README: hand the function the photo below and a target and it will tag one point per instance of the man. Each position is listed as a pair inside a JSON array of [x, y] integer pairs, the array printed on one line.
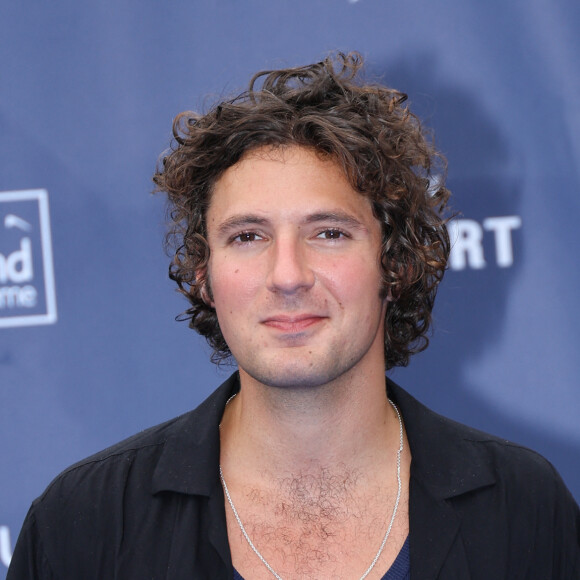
[[308, 221]]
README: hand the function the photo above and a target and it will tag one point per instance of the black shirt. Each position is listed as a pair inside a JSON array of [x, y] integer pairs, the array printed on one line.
[[152, 507], [399, 570]]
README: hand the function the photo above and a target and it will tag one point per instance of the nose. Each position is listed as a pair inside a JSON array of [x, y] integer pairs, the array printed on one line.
[[289, 270]]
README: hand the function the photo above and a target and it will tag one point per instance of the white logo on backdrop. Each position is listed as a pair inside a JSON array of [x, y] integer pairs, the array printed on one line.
[[5, 546], [467, 241], [27, 292]]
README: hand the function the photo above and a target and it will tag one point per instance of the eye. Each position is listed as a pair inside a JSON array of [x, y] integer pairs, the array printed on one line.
[[331, 234], [246, 237]]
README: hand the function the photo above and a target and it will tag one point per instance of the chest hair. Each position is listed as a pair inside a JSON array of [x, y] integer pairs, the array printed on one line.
[[311, 524]]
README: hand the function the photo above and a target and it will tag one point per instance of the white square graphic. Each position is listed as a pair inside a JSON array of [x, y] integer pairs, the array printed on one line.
[[27, 289]]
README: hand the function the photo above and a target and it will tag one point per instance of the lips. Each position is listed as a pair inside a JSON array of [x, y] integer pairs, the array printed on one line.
[[292, 324]]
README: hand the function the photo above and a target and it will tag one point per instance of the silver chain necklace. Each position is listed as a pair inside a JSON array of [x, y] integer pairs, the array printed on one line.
[[376, 558]]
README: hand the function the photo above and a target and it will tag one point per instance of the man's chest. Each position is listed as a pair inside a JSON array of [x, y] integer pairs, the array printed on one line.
[[322, 537]]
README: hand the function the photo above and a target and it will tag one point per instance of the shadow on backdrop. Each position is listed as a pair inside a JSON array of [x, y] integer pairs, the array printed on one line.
[[471, 306]]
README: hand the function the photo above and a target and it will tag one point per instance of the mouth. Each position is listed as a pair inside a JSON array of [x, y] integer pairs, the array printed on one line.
[[292, 324]]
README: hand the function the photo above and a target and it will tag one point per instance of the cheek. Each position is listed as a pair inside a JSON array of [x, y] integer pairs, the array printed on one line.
[[354, 281], [232, 287]]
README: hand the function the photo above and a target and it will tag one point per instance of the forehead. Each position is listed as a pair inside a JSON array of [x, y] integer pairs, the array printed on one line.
[[285, 183]]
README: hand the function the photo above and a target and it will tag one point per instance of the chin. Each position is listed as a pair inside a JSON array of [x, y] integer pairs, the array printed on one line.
[[296, 374]]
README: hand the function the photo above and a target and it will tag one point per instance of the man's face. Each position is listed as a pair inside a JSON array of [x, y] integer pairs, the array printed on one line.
[[294, 270]]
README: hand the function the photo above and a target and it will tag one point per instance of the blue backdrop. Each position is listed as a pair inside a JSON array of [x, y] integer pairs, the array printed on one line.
[[89, 349]]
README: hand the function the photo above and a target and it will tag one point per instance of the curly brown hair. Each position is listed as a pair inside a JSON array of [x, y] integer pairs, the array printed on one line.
[[365, 128]]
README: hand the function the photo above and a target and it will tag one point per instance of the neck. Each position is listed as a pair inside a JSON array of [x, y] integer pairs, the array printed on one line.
[[348, 424]]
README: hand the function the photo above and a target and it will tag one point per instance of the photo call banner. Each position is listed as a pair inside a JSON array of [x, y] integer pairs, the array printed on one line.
[[90, 351]]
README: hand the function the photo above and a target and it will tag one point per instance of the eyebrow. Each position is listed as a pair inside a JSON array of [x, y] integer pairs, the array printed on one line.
[[337, 217], [238, 221], [334, 217]]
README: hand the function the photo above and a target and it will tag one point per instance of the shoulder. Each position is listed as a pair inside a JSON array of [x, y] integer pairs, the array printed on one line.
[[140, 465], [519, 472], [191, 434], [91, 496], [142, 447], [124, 490], [503, 498], [82, 509], [450, 456]]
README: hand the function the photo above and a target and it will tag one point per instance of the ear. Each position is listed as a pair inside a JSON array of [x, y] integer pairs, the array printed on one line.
[[202, 279], [386, 292]]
